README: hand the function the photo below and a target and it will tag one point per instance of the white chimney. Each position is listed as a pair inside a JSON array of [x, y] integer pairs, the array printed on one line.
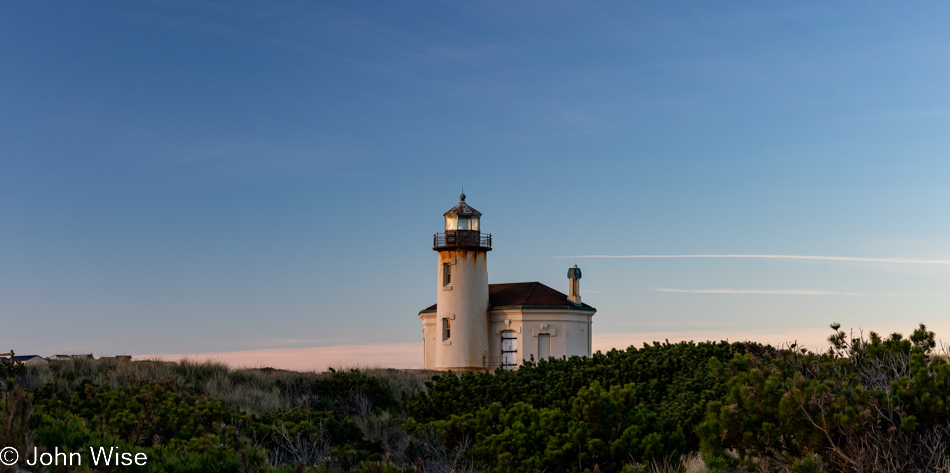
[[574, 292]]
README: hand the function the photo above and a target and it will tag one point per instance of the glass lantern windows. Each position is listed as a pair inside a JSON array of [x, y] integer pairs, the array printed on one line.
[[461, 222]]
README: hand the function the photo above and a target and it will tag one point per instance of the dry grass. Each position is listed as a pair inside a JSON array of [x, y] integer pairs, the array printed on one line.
[[693, 463], [689, 463], [15, 411], [404, 383], [255, 390]]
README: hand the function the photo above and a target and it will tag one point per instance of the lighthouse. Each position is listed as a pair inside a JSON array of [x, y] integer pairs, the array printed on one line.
[[462, 341], [477, 326]]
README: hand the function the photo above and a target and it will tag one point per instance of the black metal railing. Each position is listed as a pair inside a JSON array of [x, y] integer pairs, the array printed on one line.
[[491, 363], [462, 238]]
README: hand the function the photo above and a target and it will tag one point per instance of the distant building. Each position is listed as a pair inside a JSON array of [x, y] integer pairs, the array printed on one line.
[[30, 359], [119, 358], [69, 357], [476, 326], [25, 359]]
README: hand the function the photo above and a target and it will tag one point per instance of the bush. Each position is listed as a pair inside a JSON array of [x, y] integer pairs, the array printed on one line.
[[867, 404], [571, 414]]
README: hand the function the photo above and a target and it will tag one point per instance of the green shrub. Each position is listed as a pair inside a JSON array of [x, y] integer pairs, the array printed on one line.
[[867, 404]]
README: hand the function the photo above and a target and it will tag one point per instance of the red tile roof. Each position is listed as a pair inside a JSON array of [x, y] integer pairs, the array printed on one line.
[[528, 294]]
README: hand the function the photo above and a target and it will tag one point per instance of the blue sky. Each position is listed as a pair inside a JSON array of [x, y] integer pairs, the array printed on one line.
[[191, 177]]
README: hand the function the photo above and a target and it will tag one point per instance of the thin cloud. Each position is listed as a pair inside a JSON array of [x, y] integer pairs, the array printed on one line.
[[792, 292], [790, 257], [909, 115]]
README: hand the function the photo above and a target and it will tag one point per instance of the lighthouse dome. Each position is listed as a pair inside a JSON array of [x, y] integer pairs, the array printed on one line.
[[463, 209]]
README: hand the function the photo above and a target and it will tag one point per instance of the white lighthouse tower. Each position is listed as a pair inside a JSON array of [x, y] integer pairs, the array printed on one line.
[[461, 341]]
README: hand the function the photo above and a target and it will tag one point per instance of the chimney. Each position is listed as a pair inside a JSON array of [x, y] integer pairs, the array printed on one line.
[[574, 292]]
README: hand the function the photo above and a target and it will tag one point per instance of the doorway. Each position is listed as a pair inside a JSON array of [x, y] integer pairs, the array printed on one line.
[[509, 350]]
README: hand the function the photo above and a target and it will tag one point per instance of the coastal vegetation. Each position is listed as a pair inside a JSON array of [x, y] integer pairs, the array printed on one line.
[[867, 403]]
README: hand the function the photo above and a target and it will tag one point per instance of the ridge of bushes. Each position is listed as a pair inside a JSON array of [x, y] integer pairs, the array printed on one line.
[[867, 403]]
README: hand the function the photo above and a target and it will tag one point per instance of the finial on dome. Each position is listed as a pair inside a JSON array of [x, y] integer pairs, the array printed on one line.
[[462, 197]]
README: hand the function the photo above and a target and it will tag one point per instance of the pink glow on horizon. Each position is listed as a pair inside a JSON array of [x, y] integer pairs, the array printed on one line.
[[409, 355], [394, 355]]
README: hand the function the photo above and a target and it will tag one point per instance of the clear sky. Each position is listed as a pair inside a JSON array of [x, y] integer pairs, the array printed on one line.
[[206, 177]]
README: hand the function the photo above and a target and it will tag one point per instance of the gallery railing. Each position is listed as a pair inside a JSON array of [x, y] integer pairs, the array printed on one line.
[[462, 238]]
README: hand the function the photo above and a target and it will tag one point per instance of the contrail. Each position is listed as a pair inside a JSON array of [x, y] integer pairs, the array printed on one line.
[[792, 292], [798, 257]]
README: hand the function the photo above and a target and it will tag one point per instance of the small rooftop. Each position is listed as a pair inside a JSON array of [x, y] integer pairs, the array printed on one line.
[[533, 295], [462, 209]]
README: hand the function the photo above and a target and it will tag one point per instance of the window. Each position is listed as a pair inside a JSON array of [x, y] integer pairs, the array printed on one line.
[[446, 274], [446, 330], [544, 346], [509, 350]]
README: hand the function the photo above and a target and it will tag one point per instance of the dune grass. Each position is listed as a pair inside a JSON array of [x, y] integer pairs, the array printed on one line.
[[253, 390]]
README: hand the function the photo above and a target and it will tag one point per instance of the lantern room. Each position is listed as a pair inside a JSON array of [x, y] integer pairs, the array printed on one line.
[[462, 229], [462, 217]]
